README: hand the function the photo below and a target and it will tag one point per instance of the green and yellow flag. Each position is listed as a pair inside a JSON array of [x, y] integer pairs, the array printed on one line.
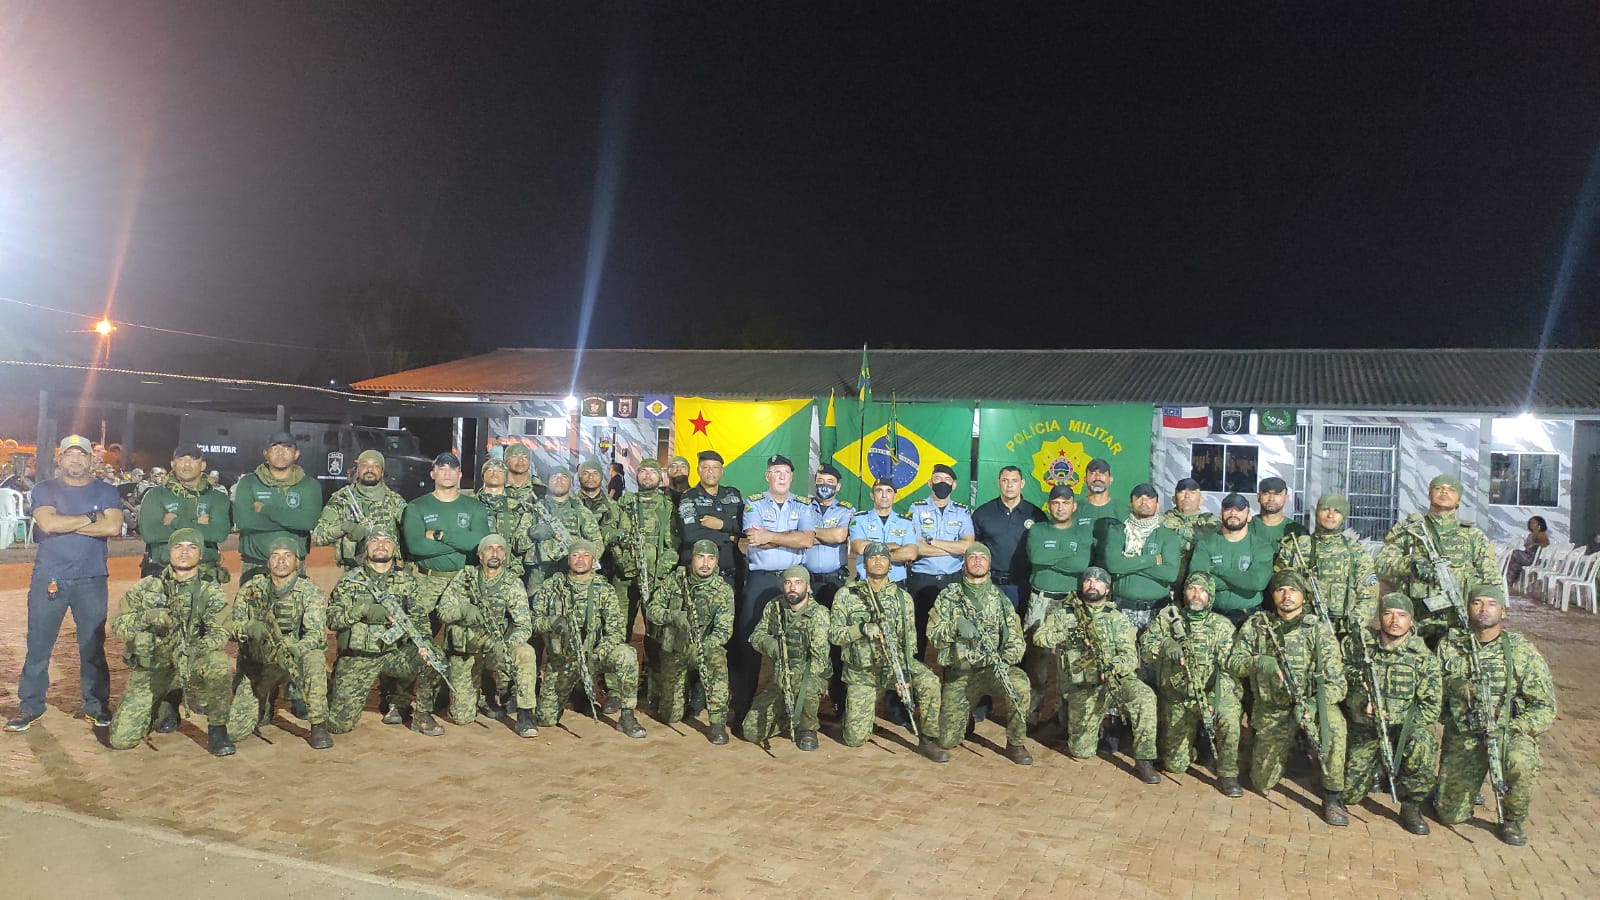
[[746, 433], [1054, 444], [903, 443]]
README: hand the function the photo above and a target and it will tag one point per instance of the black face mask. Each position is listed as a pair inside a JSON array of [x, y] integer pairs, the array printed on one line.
[[826, 491], [941, 489]]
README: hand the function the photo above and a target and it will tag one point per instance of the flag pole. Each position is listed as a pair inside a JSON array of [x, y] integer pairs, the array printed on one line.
[[863, 394]]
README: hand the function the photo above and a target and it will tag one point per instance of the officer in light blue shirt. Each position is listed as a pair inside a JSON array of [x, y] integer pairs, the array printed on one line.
[[828, 558], [943, 530], [882, 523]]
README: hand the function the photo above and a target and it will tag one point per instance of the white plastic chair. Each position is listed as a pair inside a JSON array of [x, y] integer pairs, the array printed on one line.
[[1541, 555], [1579, 585], [1538, 577], [11, 515]]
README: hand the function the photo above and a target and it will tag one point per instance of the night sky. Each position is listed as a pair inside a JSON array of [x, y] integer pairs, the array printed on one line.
[[800, 174]]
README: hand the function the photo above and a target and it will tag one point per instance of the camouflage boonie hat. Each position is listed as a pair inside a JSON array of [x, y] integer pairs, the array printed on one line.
[[186, 536], [372, 456], [1202, 580], [589, 547], [493, 463], [517, 450], [590, 465], [1396, 600], [797, 572], [1287, 578], [284, 543], [705, 547], [492, 540], [382, 532], [977, 549], [649, 463], [1333, 500], [1491, 589]]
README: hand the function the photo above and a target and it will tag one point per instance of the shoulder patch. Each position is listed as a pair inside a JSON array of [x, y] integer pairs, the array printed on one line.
[[845, 504], [759, 495], [800, 498]]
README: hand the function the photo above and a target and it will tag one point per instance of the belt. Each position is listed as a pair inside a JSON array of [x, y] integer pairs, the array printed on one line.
[[1137, 605], [1000, 577], [424, 571], [829, 576], [1053, 595]]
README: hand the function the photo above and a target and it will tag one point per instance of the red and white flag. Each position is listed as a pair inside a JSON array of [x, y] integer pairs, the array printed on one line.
[[1185, 421]]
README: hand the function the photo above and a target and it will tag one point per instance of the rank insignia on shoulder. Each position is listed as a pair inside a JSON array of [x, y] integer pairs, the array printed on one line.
[[754, 497], [846, 504]]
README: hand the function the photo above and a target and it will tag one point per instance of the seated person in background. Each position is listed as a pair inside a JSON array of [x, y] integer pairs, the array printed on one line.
[[1538, 536]]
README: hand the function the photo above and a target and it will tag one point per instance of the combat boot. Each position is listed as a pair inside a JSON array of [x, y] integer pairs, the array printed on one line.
[[1229, 786], [717, 734], [297, 708], [525, 726], [1018, 753], [217, 740], [422, 723], [1511, 832], [629, 725], [1411, 817], [1145, 771], [320, 740], [169, 722], [806, 740], [612, 706], [1333, 811], [930, 748], [395, 716]]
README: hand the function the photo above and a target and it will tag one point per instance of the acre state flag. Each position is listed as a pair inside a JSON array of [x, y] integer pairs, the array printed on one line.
[[746, 433]]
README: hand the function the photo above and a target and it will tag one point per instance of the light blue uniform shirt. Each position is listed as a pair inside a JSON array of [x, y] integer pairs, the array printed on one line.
[[894, 532], [791, 515], [826, 559], [953, 523]]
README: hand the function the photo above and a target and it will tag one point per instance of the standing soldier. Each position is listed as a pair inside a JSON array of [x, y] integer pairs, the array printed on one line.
[[504, 514], [550, 526], [978, 637], [1099, 665], [1293, 662], [522, 485], [487, 627], [677, 479], [576, 610], [1143, 558], [1504, 668], [1393, 700], [647, 526], [875, 624], [793, 634], [1188, 646], [1189, 521], [1404, 560], [280, 619], [942, 529], [1336, 564], [708, 511], [385, 636], [276, 500], [185, 499], [1271, 524], [592, 494], [354, 509], [1237, 558], [174, 625], [777, 531], [692, 611]]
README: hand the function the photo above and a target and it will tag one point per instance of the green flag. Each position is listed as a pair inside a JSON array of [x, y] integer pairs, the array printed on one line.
[[1054, 444], [923, 435]]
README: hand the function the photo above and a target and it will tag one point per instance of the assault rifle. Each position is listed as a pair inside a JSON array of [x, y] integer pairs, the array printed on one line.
[[400, 625], [902, 686], [999, 667]]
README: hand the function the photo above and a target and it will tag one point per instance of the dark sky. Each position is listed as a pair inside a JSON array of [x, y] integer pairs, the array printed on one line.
[[940, 175]]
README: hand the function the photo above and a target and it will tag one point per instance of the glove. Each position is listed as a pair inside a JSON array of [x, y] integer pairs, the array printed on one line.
[[560, 626], [541, 532], [1174, 652], [472, 617], [872, 632], [357, 532], [158, 621], [375, 613], [678, 618], [965, 628], [257, 630]]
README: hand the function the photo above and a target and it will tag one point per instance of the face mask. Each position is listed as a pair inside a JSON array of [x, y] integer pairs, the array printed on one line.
[[826, 491], [941, 489]]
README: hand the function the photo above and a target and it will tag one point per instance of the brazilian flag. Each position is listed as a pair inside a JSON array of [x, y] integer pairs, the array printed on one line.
[[746, 433], [902, 441]]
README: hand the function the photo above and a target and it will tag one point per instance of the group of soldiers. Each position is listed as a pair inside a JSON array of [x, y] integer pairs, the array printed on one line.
[[1170, 629]]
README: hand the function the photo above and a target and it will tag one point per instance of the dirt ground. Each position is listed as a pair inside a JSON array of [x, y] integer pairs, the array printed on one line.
[[583, 811]]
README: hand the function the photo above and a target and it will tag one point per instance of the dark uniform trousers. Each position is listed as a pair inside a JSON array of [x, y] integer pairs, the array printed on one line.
[[823, 587], [744, 663], [924, 589]]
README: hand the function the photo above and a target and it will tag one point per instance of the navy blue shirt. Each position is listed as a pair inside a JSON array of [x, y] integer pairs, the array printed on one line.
[[71, 555]]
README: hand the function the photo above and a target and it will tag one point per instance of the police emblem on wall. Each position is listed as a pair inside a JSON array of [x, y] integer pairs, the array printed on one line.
[[594, 407], [1230, 420], [336, 463], [1059, 462], [626, 407]]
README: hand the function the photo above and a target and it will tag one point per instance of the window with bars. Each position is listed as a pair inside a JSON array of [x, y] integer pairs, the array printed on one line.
[[1359, 461]]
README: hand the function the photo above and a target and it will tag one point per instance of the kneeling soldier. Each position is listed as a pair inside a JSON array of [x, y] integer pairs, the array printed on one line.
[[978, 636], [1394, 697], [280, 619], [691, 611], [577, 612], [874, 623], [487, 626], [1188, 645], [793, 634], [1099, 661], [175, 628]]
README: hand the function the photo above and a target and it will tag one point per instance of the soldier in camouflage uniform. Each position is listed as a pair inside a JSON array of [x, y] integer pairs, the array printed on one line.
[[175, 626], [871, 620], [1393, 675], [543, 545], [576, 611], [1187, 645], [374, 648], [280, 619], [522, 483], [1342, 571], [487, 626], [1098, 671], [1311, 662], [645, 521], [1523, 702], [1189, 521], [504, 513], [978, 636], [691, 613], [793, 635], [350, 513], [592, 494], [1403, 561]]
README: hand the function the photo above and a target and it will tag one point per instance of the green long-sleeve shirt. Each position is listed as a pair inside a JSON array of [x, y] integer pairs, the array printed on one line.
[[1104, 520], [290, 510], [1059, 555], [1241, 568], [1149, 576], [463, 522], [186, 506]]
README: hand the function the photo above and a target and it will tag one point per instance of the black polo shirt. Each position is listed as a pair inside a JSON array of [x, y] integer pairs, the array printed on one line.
[[1005, 532]]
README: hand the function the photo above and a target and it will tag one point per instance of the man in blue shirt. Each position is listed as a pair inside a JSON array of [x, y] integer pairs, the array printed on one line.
[[827, 560], [943, 530], [778, 529], [73, 516], [882, 524]]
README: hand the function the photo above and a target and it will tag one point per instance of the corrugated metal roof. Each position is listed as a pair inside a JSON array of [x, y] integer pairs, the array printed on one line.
[[1456, 380]]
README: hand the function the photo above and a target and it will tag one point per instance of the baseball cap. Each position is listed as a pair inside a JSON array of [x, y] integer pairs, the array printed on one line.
[[1273, 485], [447, 459], [190, 450], [78, 441], [281, 437]]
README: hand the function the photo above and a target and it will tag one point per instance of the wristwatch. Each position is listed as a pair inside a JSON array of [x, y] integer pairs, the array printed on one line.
[[94, 515]]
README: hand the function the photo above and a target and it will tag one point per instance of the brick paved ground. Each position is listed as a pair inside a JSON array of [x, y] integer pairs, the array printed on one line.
[[583, 811]]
